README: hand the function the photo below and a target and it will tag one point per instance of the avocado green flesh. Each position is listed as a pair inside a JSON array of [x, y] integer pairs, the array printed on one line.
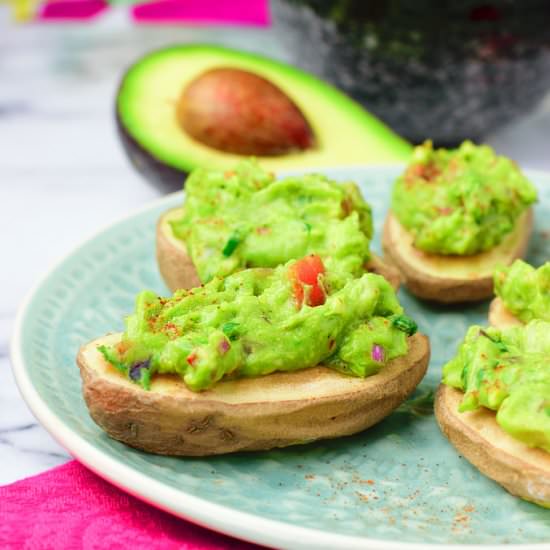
[[247, 218], [460, 202], [344, 132], [249, 324], [524, 290], [507, 371]]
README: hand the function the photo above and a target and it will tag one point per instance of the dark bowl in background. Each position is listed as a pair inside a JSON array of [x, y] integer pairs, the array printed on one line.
[[445, 70]]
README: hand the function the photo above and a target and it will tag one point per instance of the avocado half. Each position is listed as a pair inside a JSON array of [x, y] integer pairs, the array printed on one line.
[[164, 153]]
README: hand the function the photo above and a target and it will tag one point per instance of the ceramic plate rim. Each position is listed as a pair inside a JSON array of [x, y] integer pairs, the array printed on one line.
[[217, 517]]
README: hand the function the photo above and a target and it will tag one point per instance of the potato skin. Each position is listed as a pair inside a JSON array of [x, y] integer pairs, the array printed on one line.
[[443, 289], [175, 266], [178, 271], [521, 470], [171, 420]]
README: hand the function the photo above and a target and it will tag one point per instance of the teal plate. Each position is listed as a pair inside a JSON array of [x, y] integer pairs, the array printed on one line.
[[398, 485]]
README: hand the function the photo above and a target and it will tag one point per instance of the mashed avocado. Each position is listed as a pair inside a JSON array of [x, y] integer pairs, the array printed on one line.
[[461, 201], [247, 218], [507, 371], [258, 321], [524, 290]]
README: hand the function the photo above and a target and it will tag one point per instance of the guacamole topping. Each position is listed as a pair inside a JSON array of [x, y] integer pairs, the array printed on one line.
[[461, 201], [524, 290], [246, 218], [258, 321], [507, 371]]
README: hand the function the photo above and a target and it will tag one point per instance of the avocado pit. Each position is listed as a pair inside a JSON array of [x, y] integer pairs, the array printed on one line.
[[237, 111]]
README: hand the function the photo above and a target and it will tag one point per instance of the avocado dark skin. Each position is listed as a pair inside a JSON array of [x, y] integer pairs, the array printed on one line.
[[161, 175]]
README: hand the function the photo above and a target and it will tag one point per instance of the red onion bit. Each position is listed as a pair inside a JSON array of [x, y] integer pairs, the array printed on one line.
[[224, 347], [377, 353], [135, 371]]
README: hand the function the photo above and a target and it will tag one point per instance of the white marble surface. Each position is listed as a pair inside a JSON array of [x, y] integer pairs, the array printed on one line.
[[63, 174]]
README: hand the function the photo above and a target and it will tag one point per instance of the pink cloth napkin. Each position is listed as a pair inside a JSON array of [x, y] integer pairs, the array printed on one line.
[[71, 9], [70, 507], [203, 12], [189, 12]]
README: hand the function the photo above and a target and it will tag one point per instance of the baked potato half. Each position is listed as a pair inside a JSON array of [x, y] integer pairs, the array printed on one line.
[[275, 410], [178, 271], [451, 279], [523, 471]]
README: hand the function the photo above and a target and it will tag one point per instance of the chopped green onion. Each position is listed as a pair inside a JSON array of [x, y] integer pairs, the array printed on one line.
[[404, 324], [500, 345], [231, 245], [111, 358], [230, 329]]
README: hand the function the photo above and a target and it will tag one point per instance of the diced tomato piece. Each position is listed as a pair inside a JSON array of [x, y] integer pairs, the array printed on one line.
[[192, 358], [316, 296], [306, 271]]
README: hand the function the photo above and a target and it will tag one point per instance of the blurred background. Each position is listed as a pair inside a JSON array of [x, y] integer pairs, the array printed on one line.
[[429, 69]]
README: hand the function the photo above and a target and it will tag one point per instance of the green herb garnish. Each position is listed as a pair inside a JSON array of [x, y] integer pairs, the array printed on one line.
[[404, 324], [231, 244], [422, 405], [230, 329], [111, 358]]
